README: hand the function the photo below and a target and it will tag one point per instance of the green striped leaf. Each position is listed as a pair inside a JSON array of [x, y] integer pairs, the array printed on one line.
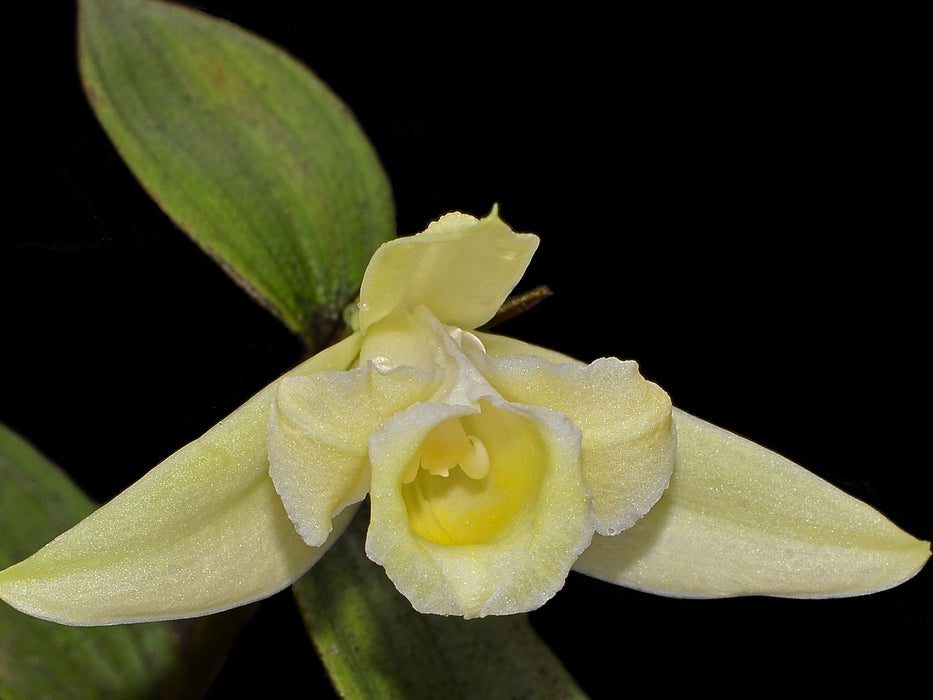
[[245, 149]]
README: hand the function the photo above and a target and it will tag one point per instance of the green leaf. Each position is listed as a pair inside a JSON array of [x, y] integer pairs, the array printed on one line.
[[374, 645], [245, 149]]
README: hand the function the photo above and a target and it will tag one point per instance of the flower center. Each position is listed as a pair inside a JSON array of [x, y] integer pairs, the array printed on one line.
[[463, 489], [446, 447]]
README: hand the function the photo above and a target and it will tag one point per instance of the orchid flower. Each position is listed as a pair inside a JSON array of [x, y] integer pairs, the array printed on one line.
[[493, 467]]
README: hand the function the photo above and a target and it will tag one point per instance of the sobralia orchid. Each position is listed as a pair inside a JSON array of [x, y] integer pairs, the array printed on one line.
[[493, 468]]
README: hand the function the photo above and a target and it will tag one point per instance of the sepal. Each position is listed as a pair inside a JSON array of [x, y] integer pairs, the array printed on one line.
[[202, 532], [739, 519]]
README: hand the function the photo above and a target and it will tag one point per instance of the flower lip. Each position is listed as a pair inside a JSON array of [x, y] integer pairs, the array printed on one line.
[[487, 491], [467, 486], [500, 544]]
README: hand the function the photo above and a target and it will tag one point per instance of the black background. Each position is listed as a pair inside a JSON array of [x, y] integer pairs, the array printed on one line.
[[729, 200]]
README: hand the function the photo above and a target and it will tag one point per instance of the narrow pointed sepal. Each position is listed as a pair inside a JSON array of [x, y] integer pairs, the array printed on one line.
[[739, 519], [202, 532]]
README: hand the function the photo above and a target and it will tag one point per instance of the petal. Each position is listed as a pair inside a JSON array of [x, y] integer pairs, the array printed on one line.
[[202, 532], [499, 545], [741, 520], [408, 338], [318, 430], [628, 439], [501, 346], [460, 267]]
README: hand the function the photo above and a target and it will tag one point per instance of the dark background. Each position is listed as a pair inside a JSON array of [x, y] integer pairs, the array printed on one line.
[[729, 200]]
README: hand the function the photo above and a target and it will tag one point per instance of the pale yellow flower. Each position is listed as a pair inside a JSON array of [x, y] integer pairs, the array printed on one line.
[[493, 468]]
